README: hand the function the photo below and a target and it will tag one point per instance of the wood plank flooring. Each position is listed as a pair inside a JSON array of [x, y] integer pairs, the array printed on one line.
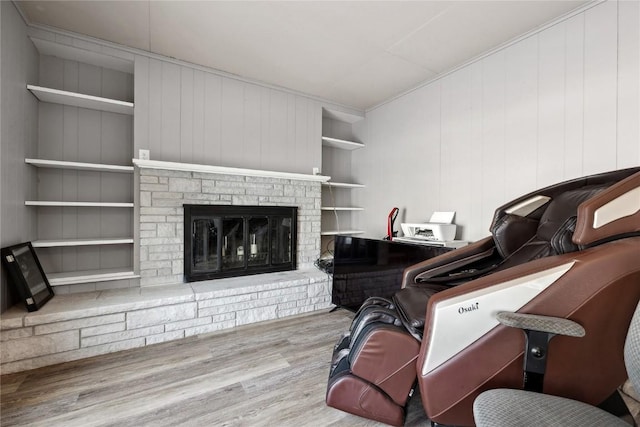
[[268, 374]]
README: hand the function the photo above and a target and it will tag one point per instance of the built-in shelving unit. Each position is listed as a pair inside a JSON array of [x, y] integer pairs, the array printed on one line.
[[341, 144], [341, 208], [340, 232], [89, 276], [80, 242], [78, 204], [342, 184], [338, 143], [90, 199], [73, 99], [58, 164]]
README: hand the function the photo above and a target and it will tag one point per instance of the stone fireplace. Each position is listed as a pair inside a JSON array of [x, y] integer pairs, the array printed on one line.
[[87, 324], [165, 187]]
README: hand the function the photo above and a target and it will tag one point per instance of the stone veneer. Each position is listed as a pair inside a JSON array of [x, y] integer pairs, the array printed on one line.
[[163, 308], [163, 192], [76, 326]]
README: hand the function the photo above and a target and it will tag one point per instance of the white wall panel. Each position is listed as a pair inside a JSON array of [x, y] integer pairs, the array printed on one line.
[[628, 83], [600, 88], [153, 83], [475, 227], [521, 117], [232, 122], [187, 127], [550, 99], [199, 118], [212, 119], [492, 174], [559, 104], [457, 169], [141, 105], [574, 96], [170, 112], [252, 130]]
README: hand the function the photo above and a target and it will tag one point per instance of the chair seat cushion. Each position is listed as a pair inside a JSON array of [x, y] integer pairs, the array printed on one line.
[[514, 408]]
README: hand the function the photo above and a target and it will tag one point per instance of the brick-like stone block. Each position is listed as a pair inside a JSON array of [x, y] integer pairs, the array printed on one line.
[[148, 179], [14, 334], [68, 325], [189, 323], [227, 300], [295, 311], [205, 329], [185, 185], [148, 233], [294, 190], [261, 314], [173, 173], [121, 336], [149, 265], [177, 266], [154, 187], [39, 345], [148, 273], [164, 211], [166, 336], [152, 218], [161, 315], [145, 198], [103, 329], [167, 230], [161, 241], [165, 248], [166, 195], [282, 291], [213, 187]]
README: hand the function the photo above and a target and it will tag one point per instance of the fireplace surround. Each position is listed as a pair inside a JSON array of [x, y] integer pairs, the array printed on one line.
[[166, 187], [229, 241]]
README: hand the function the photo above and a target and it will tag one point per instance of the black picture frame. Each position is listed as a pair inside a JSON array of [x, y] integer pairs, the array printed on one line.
[[25, 272]]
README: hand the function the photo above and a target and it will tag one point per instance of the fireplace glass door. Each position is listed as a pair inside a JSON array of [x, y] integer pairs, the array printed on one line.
[[225, 241]]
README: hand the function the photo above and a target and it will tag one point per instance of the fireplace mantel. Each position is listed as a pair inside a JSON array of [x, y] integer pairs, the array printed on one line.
[[192, 167]]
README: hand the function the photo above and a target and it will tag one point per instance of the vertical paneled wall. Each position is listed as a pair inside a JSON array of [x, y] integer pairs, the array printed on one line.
[[188, 115], [18, 134], [559, 104]]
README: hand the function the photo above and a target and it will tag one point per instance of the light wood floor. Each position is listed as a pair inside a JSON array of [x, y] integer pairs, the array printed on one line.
[[269, 374]]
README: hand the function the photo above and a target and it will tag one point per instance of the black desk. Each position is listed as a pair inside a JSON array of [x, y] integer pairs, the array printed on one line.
[[370, 267]]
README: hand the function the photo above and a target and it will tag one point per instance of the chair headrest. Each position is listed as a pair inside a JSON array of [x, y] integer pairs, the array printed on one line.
[[558, 221], [562, 207], [613, 212]]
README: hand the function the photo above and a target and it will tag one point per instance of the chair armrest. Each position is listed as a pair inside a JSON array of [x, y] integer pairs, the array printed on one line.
[[481, 246], [548, 324]]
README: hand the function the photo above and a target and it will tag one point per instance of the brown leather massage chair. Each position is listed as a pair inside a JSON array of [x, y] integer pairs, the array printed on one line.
[[570, 251]]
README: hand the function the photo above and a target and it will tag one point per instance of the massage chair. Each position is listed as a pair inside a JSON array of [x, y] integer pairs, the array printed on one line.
[[570, 252]]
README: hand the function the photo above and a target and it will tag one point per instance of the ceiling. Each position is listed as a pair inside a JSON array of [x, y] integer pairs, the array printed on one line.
[[355, 53]]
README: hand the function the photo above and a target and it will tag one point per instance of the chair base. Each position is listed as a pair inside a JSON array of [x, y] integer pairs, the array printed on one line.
[[358, 397]]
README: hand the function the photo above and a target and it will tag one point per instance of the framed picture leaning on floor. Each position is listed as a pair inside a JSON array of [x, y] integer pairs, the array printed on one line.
[[25, 273]]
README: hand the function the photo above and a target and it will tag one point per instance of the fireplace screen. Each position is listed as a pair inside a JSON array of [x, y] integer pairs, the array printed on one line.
[[225, 241]]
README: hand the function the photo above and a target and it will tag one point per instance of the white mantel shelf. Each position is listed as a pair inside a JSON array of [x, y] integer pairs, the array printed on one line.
[[190, 167]]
